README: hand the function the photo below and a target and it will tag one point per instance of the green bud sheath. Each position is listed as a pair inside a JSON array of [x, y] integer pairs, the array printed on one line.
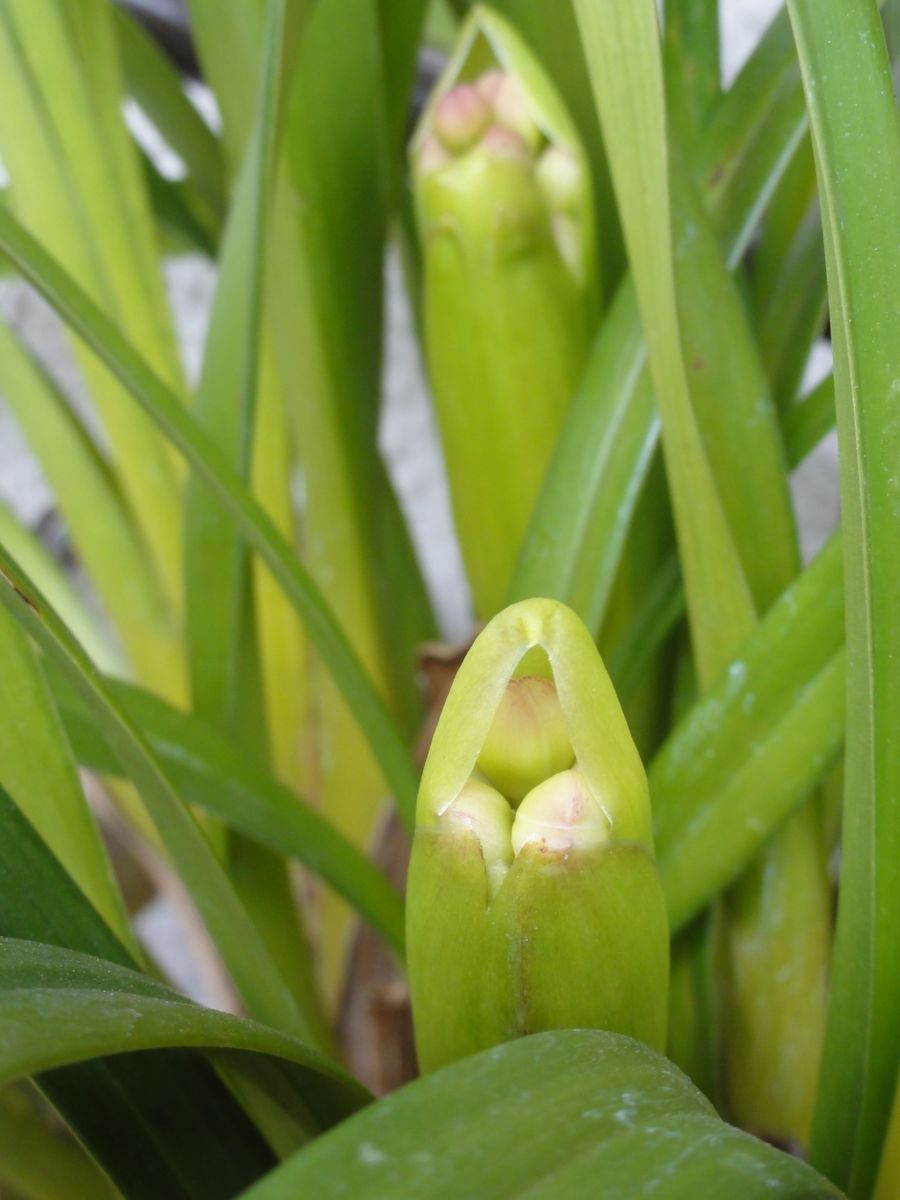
[[504, 211], [549, 915]]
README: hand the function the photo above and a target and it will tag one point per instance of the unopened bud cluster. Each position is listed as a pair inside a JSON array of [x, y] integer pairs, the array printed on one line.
[[525, 789], [533, 900], [478, 125]]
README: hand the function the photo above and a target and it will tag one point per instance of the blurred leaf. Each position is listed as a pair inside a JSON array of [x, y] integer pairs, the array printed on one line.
[[53, 580], [43, 1163], [108, 544], [76, 181], [216, 575], [155, 85], [691, 55]]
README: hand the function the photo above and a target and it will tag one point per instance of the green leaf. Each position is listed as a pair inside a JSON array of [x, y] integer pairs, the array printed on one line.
[[751, 749], [691, 52], [58, 1007], [38, 769], [51, 577], [213, 774], [154, 83], [856, 137], [624, 60], [43, 1163], [807, 420], [242, 949], [77, 184], [574, 1113], [216, 576], [162, 1125], [788, 277], [607, 442], [108, 544], [167, 412]]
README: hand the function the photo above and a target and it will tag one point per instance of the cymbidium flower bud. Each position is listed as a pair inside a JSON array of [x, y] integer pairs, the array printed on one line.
[[552, 915], [505, 218], [528, 740], [480, 810]]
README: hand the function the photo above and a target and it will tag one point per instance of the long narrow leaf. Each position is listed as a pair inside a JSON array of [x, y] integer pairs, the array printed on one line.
[[253, 971], [164, 1125], [624, 60], [212, 774], [856, 136], [38, 769], [750, 750], [164, 408], [58, 1007], [104, 536]]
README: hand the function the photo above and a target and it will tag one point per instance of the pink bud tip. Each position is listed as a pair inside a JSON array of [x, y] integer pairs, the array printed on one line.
[[460, 118]]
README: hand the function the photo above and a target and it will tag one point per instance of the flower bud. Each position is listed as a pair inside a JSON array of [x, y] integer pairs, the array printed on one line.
[[552, 917], [509, 101], [560, 815], [482, 811], [528, 740], [559, 177], [461, 117], [510, 285]]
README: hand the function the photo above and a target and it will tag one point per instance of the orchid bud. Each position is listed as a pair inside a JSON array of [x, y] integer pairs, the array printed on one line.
[[504, 212], [528, 740], [550, 916]]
